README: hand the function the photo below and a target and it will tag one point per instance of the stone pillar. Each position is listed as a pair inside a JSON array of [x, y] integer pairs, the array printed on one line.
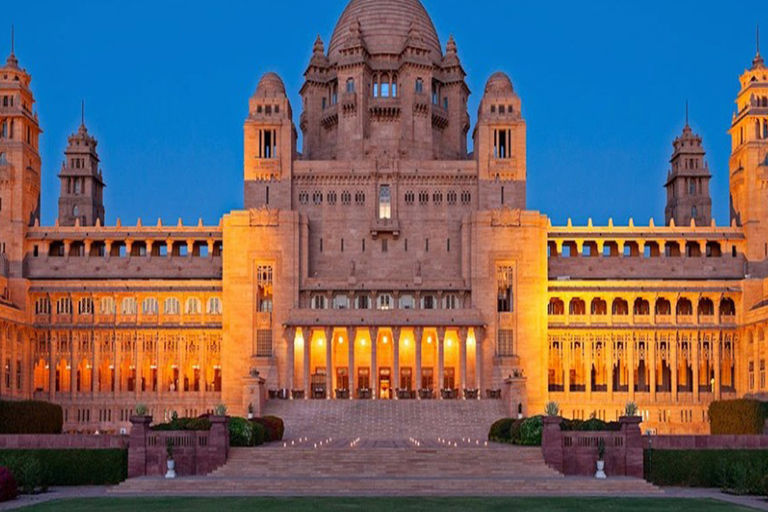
[[137, 447], [588, 343], [396, 357], [290, 337], [567, 360], [696, 366], [609, 365], [716, 354], [673, 347], [633, 444], [374, 363], [552, 442], [52, 356], [441, 359], [463, 333], [652, 372], [418, 334], [254, 394], [631, 366], [307, 363], [218, 441], [351, 335], [479, 360], [73, 354], [329, 361]]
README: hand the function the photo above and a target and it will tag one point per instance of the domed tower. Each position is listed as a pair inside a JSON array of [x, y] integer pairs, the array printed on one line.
[[270, 146], [688, 182], [384, 88], [500, 145], [749, 160], [19, 165]]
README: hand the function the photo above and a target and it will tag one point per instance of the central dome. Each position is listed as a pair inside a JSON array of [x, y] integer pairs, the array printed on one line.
[[385, 25]]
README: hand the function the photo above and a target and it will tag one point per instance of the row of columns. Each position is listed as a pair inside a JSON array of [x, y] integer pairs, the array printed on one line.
[[419, 338], [87, 244], [631, 361]]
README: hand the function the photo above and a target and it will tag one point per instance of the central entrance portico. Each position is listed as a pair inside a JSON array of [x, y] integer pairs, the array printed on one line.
[[385, 362]]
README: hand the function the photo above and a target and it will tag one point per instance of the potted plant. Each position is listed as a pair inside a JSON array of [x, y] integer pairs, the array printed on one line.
[[220, 410], [552, 409], [170, 463], [600, 459], [630, 409], [141, 410]]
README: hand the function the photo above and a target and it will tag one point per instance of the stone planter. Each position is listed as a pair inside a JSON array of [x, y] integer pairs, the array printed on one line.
[[600, 470], [171, 464]]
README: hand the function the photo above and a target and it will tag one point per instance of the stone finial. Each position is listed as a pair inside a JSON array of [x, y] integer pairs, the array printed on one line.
[[200, 222], [159, 222], [180, 224], [610, 222], [319, 48], [138, 222], [589, 222], [570, 223], [119, 223], [631, 222], [450, 47], [651, 223]]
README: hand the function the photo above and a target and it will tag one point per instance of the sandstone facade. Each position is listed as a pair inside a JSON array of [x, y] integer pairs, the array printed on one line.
[[383, 259]]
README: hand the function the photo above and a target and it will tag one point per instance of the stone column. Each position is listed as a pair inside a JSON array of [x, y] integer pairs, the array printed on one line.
[[552, 442], [52, 363], [351, 334], [307, 356], [418, 334], [630, 427], [479, 360], [696, 367], [631, 366], [652, 352], [73, 353], [137, 447], [396, 357], [329, 362], [716, 354], [463, 333], [441, 358], [588, 344], [290, 336], [567, 360], [374, 363], [673, 347], [609, 365]]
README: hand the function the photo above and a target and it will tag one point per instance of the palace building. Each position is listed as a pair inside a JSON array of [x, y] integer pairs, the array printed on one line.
[[385, 258]]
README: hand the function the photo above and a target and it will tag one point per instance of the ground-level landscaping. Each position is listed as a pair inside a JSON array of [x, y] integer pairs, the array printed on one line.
[[385, 504]]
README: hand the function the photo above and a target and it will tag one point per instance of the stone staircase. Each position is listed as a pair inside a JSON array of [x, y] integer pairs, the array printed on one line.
[[393, 468]]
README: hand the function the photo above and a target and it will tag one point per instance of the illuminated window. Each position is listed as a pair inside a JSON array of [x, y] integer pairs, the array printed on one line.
[[385, 202]]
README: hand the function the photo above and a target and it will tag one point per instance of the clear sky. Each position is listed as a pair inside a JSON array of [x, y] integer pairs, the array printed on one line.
[[603, 85]]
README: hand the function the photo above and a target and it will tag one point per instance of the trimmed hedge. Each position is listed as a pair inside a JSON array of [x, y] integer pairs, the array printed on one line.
[[737, 417], [30, 417], [41, 468], [273, 428], [590, 425], [728, 469], [499, 431], [259, 434], [524, 432], [184, 424], [240, 432]]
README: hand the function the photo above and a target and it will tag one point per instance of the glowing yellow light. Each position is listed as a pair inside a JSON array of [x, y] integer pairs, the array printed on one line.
[[429, 339], [406, 342], [385, 339], [449, 343], [341, 340], [362, 342]]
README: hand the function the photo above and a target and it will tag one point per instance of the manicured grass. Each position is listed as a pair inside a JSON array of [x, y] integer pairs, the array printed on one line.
[[383, 504]]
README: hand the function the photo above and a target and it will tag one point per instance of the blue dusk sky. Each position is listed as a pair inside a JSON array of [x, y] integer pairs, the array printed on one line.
[[603, 84]]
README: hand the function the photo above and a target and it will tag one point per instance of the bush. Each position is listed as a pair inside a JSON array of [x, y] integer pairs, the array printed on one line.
[[273, 426], [185, 424], [737, 417], [730, 469], [240, 432], [259, 434], [30, 418], [590, 425], [530, 431], [35, 470], [9, 490], [499, 431], [514, 431]]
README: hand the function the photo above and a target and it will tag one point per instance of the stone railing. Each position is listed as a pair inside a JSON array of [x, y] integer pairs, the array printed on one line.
[[195, 452], [575, 453], [706, 442], [61, 442]]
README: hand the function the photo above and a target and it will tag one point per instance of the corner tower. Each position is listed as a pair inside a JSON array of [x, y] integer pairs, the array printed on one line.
[[500, 146], [270, 146], [688, 182], [19, 165], [749, 159], [81, 200]]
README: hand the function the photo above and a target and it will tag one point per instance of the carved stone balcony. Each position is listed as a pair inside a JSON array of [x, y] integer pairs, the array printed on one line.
[[391, 226]]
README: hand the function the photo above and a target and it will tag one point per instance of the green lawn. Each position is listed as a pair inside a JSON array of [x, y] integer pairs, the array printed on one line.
[[383, 504]]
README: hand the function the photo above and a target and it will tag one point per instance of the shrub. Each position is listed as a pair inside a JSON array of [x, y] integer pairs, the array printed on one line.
[[258, 435], [273, 426], [514, 432], [499, 431], [530, 431], [737, 417], [9, 490], [240, 432], [552, 409], [30, 418], [39, 469], [704, 468], [185, 424]]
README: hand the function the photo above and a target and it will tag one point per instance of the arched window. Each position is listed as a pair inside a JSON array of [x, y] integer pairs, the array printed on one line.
[[599, 307], [214, 306], [149, 306], [556, 307], [428, 302], [684, 307], [350, 85], [663, 307], [727, 307], [419, 85], [619, 307], [384, 301], [107, 306], [318, 302], [85, 306], [642, 307], [193, 306], [128, 306], [577, 307], [171, 306], [706, 307], [362, 302]]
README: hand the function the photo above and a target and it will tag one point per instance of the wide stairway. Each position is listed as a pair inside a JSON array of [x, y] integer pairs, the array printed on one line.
[[382, 448]]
